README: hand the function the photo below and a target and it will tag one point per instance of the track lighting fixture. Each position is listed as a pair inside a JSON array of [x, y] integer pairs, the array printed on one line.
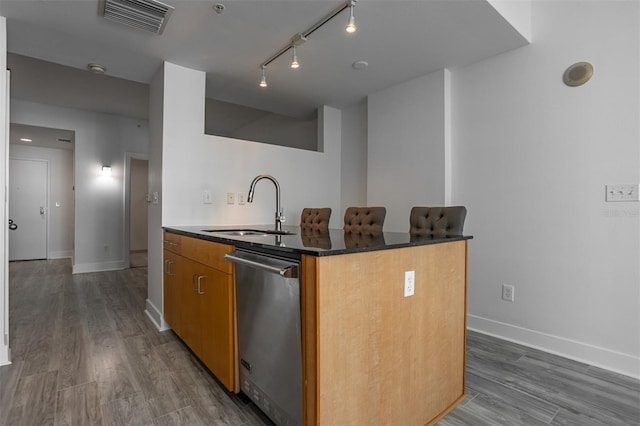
[[294, 60], [351, 23], [300, 38], [263, 81]]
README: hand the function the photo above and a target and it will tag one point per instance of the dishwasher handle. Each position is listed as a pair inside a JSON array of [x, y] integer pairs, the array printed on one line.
[[287, 272]]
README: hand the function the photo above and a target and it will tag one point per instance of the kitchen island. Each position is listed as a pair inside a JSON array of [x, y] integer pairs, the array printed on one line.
[[372, 353]]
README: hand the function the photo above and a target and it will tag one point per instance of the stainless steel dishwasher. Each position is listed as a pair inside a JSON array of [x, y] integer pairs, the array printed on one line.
[[269, 338]]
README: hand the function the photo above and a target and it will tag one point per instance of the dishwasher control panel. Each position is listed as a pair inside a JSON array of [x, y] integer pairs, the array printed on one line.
[[269, 407]]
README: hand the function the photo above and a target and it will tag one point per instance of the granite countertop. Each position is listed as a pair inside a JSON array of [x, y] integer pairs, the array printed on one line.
[[332, 242]]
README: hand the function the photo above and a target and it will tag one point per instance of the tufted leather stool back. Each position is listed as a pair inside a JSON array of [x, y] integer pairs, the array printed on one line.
[[363, 220], [437, 220], [315, 218]]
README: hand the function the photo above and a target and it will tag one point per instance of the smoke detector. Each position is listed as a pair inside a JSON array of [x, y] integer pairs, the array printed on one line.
[[146, 15], [219, 8]]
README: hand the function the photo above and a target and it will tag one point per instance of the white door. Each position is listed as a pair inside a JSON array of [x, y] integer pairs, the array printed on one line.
[[28, 187]]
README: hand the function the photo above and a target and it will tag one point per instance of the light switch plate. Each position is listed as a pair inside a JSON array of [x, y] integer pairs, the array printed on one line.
[[231, 198], [627, 192], [206, 197]]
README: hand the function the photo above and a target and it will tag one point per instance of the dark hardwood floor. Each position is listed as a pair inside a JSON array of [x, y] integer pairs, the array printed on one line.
[[84, 353]]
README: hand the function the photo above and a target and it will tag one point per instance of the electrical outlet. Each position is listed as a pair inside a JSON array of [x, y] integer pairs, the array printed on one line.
[[507, 292], [241, 198], [206, 197], [621, 192], [231, 198], [409, 283]]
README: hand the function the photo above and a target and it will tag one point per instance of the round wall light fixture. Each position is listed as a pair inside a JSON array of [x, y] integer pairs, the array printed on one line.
[[578, 74]]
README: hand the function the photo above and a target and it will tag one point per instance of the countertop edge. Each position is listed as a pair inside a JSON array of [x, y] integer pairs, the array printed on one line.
[[389, 240]]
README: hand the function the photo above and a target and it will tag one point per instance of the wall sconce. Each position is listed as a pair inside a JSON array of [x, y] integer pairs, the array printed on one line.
[[106, 171]]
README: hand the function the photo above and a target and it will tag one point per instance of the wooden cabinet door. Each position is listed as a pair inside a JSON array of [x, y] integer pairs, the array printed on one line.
[[199, 302], [172, 294], [191, 305], [210, 319], [216, 319]]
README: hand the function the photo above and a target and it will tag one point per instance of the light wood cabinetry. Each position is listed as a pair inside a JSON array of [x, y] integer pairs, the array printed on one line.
[[396, 359], [172, 245], [199, 301], [370, 354]]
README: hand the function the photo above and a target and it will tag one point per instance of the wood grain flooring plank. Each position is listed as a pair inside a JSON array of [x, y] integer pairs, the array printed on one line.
[[44, 347], [530, 405], [220, 413], [184, 416], [168, 396], [79, 405], [9, 378], [579, 392], [20, 335], [34, 402], [132, 410], [111, 367], [146, 364], [126, 325], [484, 410], [76, 364]]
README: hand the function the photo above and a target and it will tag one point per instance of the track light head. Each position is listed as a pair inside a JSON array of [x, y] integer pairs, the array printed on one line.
[[351, 23], [263, 80], [294, 60]]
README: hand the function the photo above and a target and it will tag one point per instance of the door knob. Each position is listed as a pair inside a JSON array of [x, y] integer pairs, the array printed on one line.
[[41, 209], [12, 226]]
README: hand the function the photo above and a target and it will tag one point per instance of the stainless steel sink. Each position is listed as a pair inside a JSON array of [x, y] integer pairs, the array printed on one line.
[[248, 232]]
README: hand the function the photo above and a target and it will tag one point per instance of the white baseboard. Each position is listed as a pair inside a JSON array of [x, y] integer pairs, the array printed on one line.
[[60, 254], [156, 316], [82, 268], [5, 355], [582, 352]]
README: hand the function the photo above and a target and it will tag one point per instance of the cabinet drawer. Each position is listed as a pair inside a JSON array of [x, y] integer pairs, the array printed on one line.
[[172, 242], [207, 253]]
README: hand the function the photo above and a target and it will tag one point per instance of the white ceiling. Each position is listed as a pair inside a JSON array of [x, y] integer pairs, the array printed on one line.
[[400, 39]]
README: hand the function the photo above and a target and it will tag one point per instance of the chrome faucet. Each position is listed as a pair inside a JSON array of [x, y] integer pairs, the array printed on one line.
[[279, 216]]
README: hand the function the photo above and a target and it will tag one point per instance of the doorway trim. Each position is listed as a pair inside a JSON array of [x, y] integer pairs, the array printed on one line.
[[126, 244]]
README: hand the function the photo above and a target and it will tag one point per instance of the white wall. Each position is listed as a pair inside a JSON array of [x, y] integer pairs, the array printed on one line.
[[154, 241], [353, 158], [61, 211], [406, 147], [531, 161], [518, 13], [138, 218], [101, 139], [193, 162], [4, 172]]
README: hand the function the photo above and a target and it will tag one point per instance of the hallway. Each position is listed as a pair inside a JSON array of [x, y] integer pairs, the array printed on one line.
[[84, 353]]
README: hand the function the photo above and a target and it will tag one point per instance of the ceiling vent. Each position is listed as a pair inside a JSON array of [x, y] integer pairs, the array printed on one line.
[[147, 15]]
